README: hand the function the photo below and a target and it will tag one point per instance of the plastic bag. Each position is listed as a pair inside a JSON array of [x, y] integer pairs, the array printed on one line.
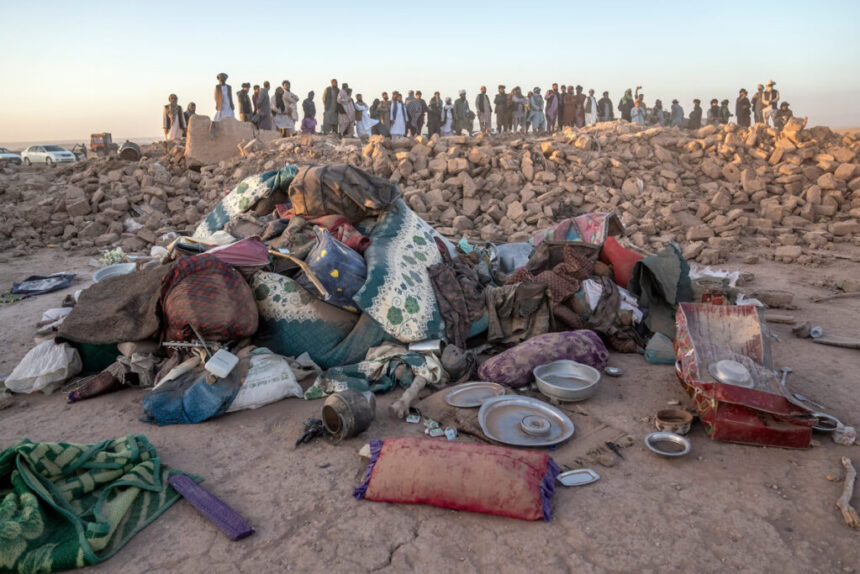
[[45, 368], [269, 379]]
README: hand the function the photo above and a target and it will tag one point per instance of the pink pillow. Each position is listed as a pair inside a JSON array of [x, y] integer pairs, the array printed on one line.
[[473, 477]]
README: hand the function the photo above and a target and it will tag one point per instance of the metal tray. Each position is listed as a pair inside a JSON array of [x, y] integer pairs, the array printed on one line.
[[502, 420], [578, 477], [472, 395]]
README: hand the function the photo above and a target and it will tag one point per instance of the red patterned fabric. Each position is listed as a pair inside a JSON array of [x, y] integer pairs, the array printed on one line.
[[211, 296]]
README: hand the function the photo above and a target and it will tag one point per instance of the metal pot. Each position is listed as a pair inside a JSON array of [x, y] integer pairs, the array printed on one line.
[[348, 413]]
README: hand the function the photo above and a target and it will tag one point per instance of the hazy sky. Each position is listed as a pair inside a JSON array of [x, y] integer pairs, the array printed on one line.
[[71, 68]]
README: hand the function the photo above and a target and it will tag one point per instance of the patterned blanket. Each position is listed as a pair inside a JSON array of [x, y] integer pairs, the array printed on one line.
[[66, 506], [243, 197], [398, 293]]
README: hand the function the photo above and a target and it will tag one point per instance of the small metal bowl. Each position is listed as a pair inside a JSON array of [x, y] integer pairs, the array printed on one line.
[[566, 380], [613, 371], [679, 446]]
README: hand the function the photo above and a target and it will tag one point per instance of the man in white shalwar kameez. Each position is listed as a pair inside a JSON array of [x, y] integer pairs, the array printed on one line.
[[365, 124], [447, 118], [399, 117], [223, 99], [590, 109]]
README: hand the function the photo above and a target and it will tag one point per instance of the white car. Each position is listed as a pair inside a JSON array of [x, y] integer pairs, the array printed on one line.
[[8, 156], [47, 154]]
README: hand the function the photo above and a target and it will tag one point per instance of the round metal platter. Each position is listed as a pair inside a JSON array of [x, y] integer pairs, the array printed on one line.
[[472, 395], [501, 419]]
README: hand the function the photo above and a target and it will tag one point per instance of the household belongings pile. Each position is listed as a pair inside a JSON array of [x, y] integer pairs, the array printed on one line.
[[324, 270]]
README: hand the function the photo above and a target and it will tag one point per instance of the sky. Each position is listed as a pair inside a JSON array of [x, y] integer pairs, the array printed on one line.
[[68, 69]]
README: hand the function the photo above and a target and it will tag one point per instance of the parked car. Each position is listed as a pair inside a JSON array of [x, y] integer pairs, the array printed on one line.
[[8, 156], [47, 154]]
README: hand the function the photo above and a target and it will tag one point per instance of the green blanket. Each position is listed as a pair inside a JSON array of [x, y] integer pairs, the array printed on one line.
[[66, 505]]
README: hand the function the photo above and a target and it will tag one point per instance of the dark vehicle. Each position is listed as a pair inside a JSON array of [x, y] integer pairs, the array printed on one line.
[[102, 144]]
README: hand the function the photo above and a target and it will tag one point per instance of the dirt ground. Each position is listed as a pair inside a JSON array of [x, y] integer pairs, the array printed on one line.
[[725, 507]]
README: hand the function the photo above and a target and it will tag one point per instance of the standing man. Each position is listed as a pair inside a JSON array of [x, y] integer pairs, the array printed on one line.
[[309, 107], [742, 109], [561, 94], [714, 113], [223, 99], [501, 103], [770, 102], [245, 109], [254, 98], [416, 109], [758, 106], [695, 121], [677, 114], [384, 111], [330, 108], [605, 108], [626, 104], [725, 114], [461, 114], [484, 110], [264, 108], [399, 116], [345, 112], [637, 114], [591, 109], [536, 115], [434, 114], [551, 98], [290, 108], [518, 110], [579, 108]]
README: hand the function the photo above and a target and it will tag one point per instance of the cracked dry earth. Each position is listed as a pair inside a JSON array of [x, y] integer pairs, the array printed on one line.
[[725, 507]]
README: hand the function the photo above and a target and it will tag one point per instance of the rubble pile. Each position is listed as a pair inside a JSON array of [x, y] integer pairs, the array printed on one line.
[[795, 193]]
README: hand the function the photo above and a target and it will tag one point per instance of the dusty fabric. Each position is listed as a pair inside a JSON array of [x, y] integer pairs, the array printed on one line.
[[517, 312], [298, 237], [591, 228], [398, 293], [207, 294], [459, 295], [292, 322], [344, 231], [461, 365], [341, 189], [513, 368], [473, 477], [383, 368], [65, 506], [122, 308], [660, 282], [562, 280], [606, 320]]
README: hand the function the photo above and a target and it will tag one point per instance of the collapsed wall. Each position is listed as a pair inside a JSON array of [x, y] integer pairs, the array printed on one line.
[[712, 190]]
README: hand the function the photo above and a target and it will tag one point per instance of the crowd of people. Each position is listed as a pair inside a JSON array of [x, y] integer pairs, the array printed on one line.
[[515, 112]]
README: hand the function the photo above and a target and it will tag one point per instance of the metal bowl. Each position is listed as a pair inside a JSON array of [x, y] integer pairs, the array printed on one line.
[[676, 445], [731, 373], [567, 380], [113, 271]]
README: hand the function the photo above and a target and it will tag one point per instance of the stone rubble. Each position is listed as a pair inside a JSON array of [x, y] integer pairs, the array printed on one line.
[[712, 191]]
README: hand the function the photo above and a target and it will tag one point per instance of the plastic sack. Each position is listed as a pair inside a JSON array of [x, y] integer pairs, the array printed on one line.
[[269, 379], [341, 270], [45, 368]]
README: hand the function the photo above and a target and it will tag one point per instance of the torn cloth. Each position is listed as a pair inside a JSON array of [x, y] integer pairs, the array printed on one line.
[[659, 283], [459, 295], [517, 312]]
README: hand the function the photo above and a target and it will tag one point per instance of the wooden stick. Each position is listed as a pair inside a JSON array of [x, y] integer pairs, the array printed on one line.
[[844, 502], [776, 318], [837, 296], [304, 267]]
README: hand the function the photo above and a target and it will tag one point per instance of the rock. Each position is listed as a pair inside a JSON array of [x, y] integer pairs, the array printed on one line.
[[200, 149], [775, 298], [457, 164], [722, 200], [840, 228], [78, 208], [699, 233], [711, 169], [515, 211], [471, 207], [750, 182], [827, 181], [692, 250], [788, 253], [845, 171]]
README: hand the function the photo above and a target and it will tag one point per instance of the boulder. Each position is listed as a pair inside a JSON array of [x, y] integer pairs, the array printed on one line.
[[201, 150]]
